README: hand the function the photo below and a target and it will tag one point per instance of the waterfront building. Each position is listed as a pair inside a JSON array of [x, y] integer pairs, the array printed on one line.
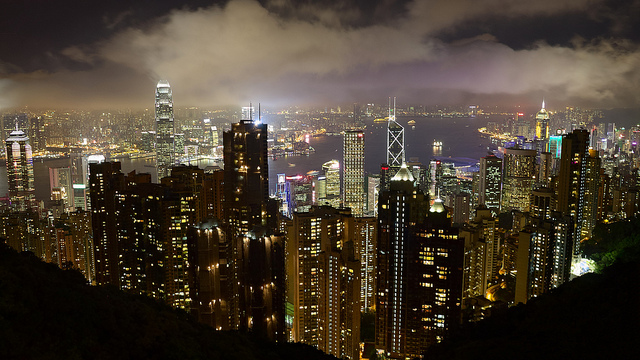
[[20, 171], [164, 128], [353, 172]]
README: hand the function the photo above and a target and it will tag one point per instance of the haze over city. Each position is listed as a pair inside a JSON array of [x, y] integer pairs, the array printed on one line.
[[282, 52]]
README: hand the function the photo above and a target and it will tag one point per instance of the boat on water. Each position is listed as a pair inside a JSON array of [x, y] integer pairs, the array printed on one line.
[[292, 165], [380, 120], [437, 143], [411, 122]]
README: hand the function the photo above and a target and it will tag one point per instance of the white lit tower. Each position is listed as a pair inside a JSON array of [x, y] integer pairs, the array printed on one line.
[[542, 124], [353, 179], [165, 131], [395, 148], [395, 140], [20, 170]]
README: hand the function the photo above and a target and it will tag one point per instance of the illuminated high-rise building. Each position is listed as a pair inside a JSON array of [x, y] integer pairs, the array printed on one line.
[[61, 178], [395, 139], [165, 129], [490, 182], [542, 124], [572, 181], [106, 185], [403, 204], [20, 171], [591, 192], [324, 281], [518, 179], [365, 241], [331, 171], [353, 179]]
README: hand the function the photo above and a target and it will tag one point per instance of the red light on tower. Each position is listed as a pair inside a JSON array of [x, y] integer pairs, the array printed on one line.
[[360, 135]]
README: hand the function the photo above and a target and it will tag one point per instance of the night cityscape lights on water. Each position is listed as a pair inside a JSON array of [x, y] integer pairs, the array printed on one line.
[[372, 179]]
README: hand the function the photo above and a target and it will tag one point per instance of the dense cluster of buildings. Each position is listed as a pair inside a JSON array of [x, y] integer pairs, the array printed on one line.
[[418, 245]]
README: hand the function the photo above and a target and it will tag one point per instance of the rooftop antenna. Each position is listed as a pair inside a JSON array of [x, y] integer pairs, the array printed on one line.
[[543, 103], [250, 111], [259, 117]]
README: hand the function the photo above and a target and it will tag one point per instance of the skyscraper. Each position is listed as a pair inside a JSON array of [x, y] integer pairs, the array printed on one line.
[[324, 281], [519, 177], [419, 259], [542, 124], [165, 131], [572, 181], [354, 171], [490, 187], [256, 261], [20, 171], [395, 140], [332, 183]]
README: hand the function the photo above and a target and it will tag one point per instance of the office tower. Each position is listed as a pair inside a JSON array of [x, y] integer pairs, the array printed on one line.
[[519, 177], [420, 174], [592, 185], [20, 171], [542, 124], [106, 184], [543, 202], [571, 181], [353, 186], [365, 241], [61, 179], [398, 207], [373, 189], [331, 171], [165, 130], [246, 171], [395, 139], [555, 146], [324, 281], [490, 182]]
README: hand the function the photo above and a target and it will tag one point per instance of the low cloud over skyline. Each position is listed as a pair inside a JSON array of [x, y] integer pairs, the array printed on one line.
[[286, 52]]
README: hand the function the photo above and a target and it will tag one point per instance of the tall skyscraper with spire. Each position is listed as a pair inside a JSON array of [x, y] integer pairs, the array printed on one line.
[[542, 124], [165, 131], [20, 170], [395, 139]]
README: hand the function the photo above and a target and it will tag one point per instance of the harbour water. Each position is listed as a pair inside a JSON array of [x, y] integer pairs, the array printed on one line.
[[459, 136]]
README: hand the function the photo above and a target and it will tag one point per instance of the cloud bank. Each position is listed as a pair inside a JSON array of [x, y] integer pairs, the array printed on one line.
[[245, 52]]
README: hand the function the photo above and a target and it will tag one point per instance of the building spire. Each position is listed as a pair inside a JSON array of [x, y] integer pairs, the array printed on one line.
[[543, 103]]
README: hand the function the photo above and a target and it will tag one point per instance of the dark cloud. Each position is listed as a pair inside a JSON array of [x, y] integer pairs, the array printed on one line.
[[282, 52]]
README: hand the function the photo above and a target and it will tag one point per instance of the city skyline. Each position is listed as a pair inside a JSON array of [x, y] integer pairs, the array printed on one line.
[[281, 52]]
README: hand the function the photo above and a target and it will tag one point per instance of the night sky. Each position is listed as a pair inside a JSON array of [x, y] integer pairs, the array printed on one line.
[[87, 54]]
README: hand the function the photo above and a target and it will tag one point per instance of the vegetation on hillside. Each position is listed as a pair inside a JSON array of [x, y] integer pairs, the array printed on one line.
[[48, 313]]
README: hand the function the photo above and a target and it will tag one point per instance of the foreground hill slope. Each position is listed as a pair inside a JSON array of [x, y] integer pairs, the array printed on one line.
[[48, 313], [596, 316]]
